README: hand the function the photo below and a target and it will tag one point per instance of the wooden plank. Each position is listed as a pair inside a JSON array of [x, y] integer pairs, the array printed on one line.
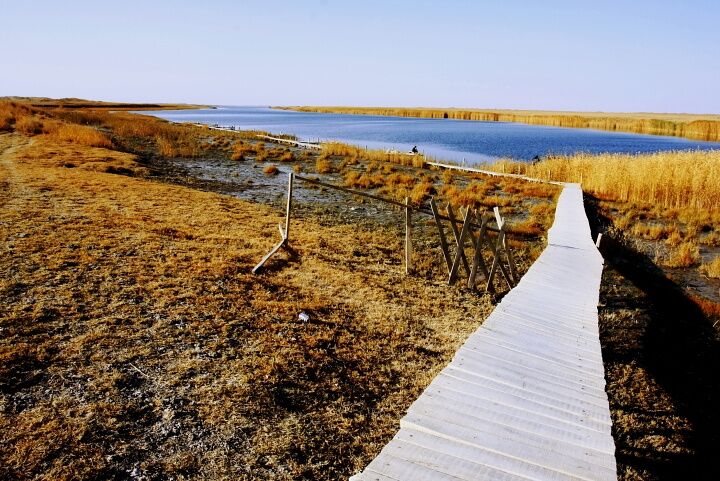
[[476, 454], [532, 449], [479, 400], [257, 268]]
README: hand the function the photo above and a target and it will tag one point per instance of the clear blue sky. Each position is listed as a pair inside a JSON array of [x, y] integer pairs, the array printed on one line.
[[638, 55]]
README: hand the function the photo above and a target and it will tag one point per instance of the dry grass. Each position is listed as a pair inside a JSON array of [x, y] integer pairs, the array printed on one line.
[[352, 152], [686, 254], [135, 342], [29, 125], [287, 157], [79, 134], [671, 180], [323, 165], [82, 127], [653, 232], [270, 170], [712, 268], [701, 127]]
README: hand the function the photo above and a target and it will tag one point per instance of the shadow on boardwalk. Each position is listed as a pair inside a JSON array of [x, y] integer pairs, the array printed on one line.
[[662, 360]]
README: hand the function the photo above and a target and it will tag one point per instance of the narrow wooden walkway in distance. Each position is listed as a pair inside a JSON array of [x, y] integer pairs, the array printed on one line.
[[524, 398]]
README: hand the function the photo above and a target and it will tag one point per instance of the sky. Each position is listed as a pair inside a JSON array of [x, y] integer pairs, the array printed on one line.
[[633, 56]]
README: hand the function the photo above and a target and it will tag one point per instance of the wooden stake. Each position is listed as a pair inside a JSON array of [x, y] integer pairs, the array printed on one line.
[[284, 233], [456, 233], [460, 253], [408, 236], [441, 233], [288, 208], [512, 275], [478, 260]]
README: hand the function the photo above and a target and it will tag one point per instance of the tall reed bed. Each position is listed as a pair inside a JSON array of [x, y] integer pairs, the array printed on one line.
[[697, 127], [674, 179]]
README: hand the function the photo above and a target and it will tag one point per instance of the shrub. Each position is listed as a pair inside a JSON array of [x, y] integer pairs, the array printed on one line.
[[29, 126], [323, 165], [80, 134], [712, 268], [270, 170]]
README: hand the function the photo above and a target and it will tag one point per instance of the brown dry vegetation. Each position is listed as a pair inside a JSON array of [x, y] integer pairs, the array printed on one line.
[[672, 180], [270, 170], [352, 152], [136, 341], [712, 268], [701, 127], [137, 345]]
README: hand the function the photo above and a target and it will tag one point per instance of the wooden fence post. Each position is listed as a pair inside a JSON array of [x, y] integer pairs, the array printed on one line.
[[284, 232], [441, 233], [408, 236], [288, 207], [456, 233]]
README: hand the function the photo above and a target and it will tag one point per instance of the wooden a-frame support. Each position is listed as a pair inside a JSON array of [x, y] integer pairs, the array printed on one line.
[[284, 232], [500, 248]]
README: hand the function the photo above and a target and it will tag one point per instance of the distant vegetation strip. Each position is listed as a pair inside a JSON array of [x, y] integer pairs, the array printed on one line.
[[691, 126], [73, 103]]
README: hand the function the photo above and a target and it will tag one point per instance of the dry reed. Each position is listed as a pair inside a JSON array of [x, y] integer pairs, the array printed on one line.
[[674, 179], [712, 268], [700, 127]]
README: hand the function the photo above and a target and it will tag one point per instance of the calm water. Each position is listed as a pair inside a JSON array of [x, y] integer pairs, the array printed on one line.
[[457, 140]]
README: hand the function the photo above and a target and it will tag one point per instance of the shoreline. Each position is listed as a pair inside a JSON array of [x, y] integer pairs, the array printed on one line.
[[702, 127]]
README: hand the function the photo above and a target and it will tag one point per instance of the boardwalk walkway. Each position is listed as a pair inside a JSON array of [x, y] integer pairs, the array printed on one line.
[[524, 398]]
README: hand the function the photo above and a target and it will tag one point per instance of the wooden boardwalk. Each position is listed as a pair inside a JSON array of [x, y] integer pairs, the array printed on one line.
[[524, 398]]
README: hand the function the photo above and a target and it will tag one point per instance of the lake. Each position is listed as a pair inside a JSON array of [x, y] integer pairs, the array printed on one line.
[[444, 139]]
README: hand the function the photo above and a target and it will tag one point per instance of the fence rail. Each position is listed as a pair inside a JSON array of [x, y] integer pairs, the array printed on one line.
[[472, 227]]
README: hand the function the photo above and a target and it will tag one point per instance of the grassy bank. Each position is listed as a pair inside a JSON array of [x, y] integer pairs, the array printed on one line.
[[135, 342], [698, 127]]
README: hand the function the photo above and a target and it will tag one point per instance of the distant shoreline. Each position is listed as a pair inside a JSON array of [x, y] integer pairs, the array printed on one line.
[[705, 127], [72, 103]]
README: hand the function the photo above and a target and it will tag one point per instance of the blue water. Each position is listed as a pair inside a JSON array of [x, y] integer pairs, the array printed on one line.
[[445, 139]]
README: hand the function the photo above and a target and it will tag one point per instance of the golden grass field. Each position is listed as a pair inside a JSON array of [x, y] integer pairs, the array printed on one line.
[[135, 338], [136, 343], [693, 126]]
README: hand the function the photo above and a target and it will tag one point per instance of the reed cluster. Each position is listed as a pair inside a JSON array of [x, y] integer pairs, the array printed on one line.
[[671, 180], [699, 127], [712, 268]]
